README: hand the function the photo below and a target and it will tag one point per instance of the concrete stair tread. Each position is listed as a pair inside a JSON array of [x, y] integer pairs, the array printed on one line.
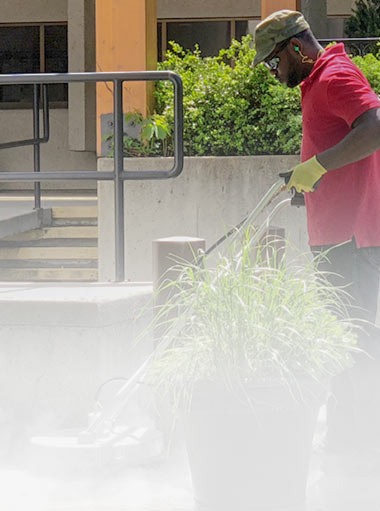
[[48, 263], [49, 274], [49, 253], [50, 242], [84, 222], [90, 231], [66, 250], [74, 212]]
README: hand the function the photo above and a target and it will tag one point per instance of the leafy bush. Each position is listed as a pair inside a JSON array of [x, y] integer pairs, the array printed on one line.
[[152, 138], [365, 20], [370, 65], [231, 108]]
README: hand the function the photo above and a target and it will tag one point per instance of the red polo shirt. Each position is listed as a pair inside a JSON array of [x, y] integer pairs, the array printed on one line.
[[347, 201]]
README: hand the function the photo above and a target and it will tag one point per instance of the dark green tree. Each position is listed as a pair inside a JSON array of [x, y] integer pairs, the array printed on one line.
[[365, 20]]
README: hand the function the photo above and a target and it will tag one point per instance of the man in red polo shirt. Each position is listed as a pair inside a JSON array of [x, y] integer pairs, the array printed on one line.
[[340, 176]]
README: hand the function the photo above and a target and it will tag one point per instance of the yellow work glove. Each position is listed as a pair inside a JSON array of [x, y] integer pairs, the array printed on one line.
[[305, 175]]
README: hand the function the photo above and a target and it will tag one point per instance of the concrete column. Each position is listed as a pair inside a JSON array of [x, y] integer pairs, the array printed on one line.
[[126, 40], [269, 6], [167, 255], [316, 15], [82, 97]]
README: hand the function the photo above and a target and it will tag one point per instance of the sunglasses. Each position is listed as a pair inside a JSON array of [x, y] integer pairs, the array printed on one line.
[[272, 63]]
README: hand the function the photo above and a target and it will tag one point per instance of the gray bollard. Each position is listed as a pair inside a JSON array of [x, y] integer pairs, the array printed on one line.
[[168, 253]]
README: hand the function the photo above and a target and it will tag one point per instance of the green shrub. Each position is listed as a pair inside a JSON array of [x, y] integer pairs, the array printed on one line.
[[370, 65], [152, 138], [365, 20], [231, 108]]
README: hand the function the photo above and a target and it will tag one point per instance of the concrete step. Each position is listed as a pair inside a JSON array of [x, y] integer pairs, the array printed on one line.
[[50, 242], [49, 253], [48, 263], [72, 232], [67, 222], [48, 274], [74, 216], [75, 212], [66, 250]]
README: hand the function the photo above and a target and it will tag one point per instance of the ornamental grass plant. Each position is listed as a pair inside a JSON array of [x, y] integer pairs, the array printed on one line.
[[252, 317]]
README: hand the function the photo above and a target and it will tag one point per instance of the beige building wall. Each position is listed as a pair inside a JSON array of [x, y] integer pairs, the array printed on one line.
[[21, 11], [208, 9], [13, 11], [340, 7], [168, 9]]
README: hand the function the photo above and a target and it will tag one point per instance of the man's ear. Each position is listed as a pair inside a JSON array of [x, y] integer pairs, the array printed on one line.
[[295, 44]]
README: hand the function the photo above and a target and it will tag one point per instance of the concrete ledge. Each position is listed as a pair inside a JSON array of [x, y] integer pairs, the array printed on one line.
[[58, 344], [15, 222], [71, 305]]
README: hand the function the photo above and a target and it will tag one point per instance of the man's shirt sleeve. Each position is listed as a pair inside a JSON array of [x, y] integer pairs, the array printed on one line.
[[349, 94]]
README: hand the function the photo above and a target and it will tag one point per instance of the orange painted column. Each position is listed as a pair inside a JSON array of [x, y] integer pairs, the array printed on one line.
[[269, 6], [126, 40]]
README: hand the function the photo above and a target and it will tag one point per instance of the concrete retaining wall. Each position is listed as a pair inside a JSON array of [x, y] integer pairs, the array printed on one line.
[[208, 198]]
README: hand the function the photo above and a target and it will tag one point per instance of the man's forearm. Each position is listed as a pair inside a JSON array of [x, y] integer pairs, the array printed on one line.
[[362, 141]]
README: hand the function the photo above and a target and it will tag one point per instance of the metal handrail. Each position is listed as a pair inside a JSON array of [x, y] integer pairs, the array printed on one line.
[[119, 175], [46, 124], [354, 45], [36, 141], [351, 39]]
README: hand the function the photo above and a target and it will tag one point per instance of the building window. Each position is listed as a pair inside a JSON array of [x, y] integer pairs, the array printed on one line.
[[33, 48], [211, 35]]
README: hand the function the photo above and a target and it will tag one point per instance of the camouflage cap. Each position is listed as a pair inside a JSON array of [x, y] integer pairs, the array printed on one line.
[[276, 28]]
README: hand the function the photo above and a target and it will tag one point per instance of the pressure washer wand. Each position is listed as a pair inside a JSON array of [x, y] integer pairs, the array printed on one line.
[[268, 198], [113, 409]]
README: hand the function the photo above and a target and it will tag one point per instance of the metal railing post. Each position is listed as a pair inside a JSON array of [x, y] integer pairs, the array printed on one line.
[[46, 116], [178, 124], [118, 181], [36, 146]]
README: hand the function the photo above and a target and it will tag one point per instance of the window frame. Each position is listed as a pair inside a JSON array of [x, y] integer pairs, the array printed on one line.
[[41, 25], [164, 23]]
